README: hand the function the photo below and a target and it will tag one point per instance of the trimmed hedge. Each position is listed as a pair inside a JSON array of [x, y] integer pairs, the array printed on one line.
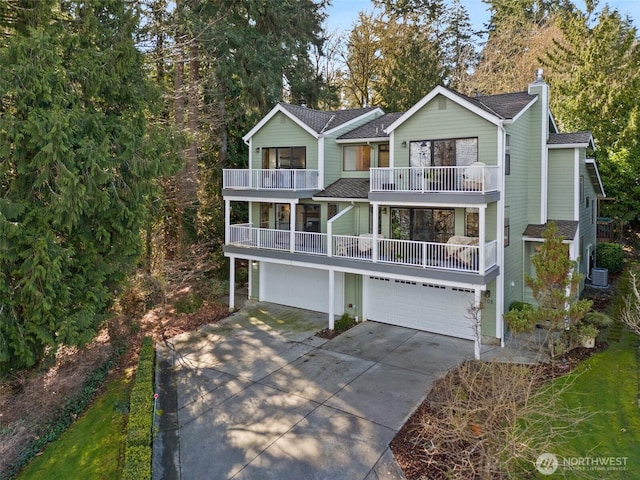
[[137, 464], [610, 256]]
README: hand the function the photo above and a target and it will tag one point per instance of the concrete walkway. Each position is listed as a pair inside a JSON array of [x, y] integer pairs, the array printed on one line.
[[259, 396]]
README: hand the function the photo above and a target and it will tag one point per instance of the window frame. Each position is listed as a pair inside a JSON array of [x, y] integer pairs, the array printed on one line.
[[428, 152], [279, 153], [359, 160]]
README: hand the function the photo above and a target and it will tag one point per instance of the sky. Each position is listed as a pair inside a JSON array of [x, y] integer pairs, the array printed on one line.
[[343, 14]]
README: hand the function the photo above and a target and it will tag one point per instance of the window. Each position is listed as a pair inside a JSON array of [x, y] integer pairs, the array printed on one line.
[[264, 215], [422, 224], [308, 218], [443, 153], [383, 156], [284, 157], [507, 155], [506, 226], [332, 210], [472, 222], [356, 157]]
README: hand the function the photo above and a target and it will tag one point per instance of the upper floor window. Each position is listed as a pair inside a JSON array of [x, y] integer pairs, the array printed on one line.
[[356, 157], [443, 153], [383, 156], [284, 157]]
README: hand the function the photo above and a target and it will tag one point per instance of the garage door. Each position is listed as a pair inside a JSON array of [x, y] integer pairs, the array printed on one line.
[[433, 308], [300, 287]]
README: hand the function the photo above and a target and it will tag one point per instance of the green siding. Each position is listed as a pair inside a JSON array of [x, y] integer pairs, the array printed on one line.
[[281, 131], [561, 185], [489, 311], [353, 294], [454, 121]]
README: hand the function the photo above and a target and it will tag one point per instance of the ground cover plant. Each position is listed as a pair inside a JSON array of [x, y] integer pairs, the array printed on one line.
[[92, 447]]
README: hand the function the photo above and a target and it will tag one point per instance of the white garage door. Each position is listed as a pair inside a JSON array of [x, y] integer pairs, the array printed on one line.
[[433, 308], [300, 287]]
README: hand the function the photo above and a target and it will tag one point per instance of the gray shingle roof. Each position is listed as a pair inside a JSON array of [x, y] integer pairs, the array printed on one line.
[[569, 138], [321, 121], [566, 228], [346, 188], [373, 129], [504, 105]]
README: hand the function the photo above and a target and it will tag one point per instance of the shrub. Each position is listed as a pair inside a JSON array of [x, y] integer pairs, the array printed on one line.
[[188, 304], [598, 319], [344, 323], [140, 425], [520, 306], [610, 256]]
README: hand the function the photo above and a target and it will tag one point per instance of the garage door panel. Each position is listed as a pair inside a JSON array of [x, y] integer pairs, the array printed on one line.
[[300, 287], [432, 308]]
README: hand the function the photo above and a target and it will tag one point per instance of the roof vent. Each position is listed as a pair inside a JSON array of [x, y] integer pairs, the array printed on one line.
[[539, 75]]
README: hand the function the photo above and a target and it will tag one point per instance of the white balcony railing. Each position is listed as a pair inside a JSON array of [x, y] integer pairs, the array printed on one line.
[[446, 256], [473, 178], [270, 179]]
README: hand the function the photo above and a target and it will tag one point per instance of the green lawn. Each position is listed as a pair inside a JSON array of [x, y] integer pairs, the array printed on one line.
[[93, 446], [607, 385]]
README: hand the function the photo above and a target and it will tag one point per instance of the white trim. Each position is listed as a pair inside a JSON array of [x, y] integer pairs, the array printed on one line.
[[501, 278], [321, 161], [440, 90], [348, 141], [592, 162], [280, 109], [557, 146], [353, 120], [521, 112]]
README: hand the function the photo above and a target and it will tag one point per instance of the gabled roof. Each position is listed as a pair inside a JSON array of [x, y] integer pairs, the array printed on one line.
[[315, 122], [566, 228], [576, 139], [346, 188], [374, 130], [493, 108]]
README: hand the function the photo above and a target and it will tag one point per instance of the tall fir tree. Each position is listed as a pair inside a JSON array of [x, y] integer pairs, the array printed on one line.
[[78, 163]]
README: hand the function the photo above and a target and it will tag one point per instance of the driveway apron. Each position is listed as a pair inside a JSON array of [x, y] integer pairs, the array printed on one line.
[[259, 396]]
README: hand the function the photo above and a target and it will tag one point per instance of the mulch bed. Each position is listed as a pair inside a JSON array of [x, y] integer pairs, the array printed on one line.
[[408, 448]]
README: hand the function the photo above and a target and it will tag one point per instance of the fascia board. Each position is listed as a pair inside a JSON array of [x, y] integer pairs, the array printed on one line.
[[524, 109], [357, 119], [279, 109], [591, 162], [439, 90], [363, 140]]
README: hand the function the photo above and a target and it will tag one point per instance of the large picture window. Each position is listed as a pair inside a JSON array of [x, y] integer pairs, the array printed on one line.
[[284, 157], [423, 224], [443, 153], [356, 157]]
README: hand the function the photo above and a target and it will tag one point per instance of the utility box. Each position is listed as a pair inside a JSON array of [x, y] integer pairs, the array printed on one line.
[[599, 277]]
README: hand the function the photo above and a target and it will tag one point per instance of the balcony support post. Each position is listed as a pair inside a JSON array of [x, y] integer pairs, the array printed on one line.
[[374, 240], [227, 221], [232, 283], [332, 282], [292, 226], [482, 211]]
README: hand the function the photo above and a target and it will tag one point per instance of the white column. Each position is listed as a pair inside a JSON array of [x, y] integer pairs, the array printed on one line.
[[332, 282], [292, 226], [374, 240], [232, 284], [227, 220], [482, 211]]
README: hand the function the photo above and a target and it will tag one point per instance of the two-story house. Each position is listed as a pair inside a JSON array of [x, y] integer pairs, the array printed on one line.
[[411, 218]]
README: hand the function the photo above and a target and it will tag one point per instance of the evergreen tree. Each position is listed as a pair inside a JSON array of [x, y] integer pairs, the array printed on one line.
[[77, 167]]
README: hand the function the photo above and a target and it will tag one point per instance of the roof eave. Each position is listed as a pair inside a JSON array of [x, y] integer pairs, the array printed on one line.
[[356, 119], [362, 140]]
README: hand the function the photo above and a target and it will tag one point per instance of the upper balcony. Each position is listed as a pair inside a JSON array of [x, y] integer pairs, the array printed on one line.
[[475, 178], [270, 180]]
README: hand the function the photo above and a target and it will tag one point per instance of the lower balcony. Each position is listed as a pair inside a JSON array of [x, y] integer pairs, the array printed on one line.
[[458, 254]]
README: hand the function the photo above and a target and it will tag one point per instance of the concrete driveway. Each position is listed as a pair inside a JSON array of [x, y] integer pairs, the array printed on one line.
[[259, 396]]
